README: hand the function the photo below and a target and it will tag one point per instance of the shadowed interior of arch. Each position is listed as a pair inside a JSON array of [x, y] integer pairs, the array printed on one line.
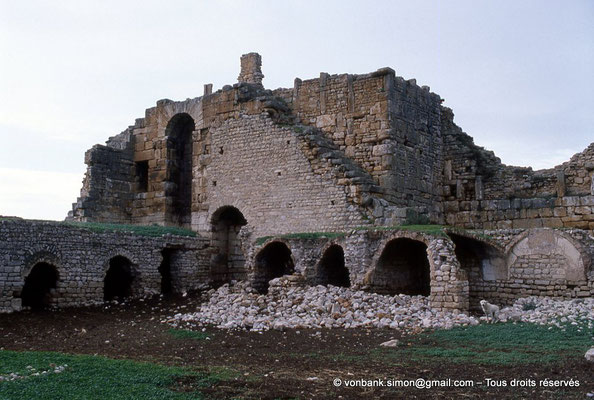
[[228, 262], [117, 284], [481, 262], [273, 261], [403, 268], [331, 269], [38, 284], [179, 149]]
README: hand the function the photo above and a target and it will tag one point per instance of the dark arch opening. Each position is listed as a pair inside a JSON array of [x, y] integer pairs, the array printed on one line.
[[38, 286], [273, 261], [179, 161], [165, 271], [229, 261], [403, 268], [331, 269], [481, 262], [117, 284]]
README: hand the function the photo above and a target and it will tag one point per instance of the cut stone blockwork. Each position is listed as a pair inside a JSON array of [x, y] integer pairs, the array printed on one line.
[[257, 172]]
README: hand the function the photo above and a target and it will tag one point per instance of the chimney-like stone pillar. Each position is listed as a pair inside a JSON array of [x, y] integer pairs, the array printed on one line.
[[251, 69]]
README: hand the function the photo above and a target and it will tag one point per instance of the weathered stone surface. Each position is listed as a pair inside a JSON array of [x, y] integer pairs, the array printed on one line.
[[590, 355]]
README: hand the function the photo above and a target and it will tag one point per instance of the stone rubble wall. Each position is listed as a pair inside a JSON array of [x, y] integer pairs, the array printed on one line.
[[482, 193], [539, 262], [82, 257], [108, 185]]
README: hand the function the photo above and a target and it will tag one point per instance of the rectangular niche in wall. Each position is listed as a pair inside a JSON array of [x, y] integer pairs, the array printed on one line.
[[142, 176]]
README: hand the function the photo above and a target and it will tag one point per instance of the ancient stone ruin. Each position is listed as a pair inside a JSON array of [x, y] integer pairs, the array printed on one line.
[[359, 181]]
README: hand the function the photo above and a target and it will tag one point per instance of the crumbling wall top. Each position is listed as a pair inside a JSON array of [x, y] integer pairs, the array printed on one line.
[[251, 69]]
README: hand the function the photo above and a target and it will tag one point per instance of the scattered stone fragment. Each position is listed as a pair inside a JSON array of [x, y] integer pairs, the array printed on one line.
[[590, 355], [390, 343]]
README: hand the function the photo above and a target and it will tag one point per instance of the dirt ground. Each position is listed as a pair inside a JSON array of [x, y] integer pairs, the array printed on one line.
[[271, 365]]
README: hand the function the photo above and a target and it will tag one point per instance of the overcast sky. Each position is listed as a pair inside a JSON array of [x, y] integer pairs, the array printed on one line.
[[519, 75]]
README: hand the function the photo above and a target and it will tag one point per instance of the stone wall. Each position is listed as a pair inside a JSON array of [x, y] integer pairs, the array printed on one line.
[[465, 267], [376, 147], [362, 250], [481, 192], [462, 266], [81, 259], [109, 183], [538, 262]]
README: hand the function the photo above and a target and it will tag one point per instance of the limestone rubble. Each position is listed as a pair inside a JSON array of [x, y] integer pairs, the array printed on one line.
[[290, 307]]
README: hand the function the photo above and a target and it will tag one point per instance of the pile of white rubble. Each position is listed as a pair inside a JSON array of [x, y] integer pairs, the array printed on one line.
[[289, 306]]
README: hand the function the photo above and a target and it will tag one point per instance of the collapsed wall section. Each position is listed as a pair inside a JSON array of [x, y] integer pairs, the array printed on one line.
[[481, 192], [108, 185], [388, 126]]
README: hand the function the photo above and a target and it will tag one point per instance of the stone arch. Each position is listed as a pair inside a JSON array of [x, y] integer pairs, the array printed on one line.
[[40, 285], [49, 256], [165, 270], [272, 261], [178, 187], [480, 262], [547, 255], [120, 280], [229, 260], [404, 266], [331, 269]]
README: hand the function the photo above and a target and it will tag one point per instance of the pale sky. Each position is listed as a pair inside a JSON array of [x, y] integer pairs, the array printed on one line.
[[519, 75]]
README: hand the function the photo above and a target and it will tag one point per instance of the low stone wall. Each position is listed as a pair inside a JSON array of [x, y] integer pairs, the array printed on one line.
[[454, 268], [81, 259]]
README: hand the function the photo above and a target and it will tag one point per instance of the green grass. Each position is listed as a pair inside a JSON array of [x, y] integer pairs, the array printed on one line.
[[302, 235], [91, 377], [496, 344], [152, 231], [438, 230], [187, 334]]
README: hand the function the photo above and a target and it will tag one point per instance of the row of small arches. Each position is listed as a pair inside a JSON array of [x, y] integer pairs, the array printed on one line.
[[403, 268], [41, 283]]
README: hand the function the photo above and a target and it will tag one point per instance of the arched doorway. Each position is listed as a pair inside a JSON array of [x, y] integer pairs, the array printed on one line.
[[331, 269], [117, 284], [481, 263], [403, 268], [179, 168], [273, 261], [38, 286], [228, 262]]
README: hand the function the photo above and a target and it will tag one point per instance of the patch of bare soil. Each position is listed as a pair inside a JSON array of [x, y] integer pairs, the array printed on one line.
[[272, 365]]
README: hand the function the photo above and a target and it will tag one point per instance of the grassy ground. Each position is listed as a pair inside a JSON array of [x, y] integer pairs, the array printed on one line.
[[142, 358], [187, 334], [497, 344], [90, 377], [153, 230]]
